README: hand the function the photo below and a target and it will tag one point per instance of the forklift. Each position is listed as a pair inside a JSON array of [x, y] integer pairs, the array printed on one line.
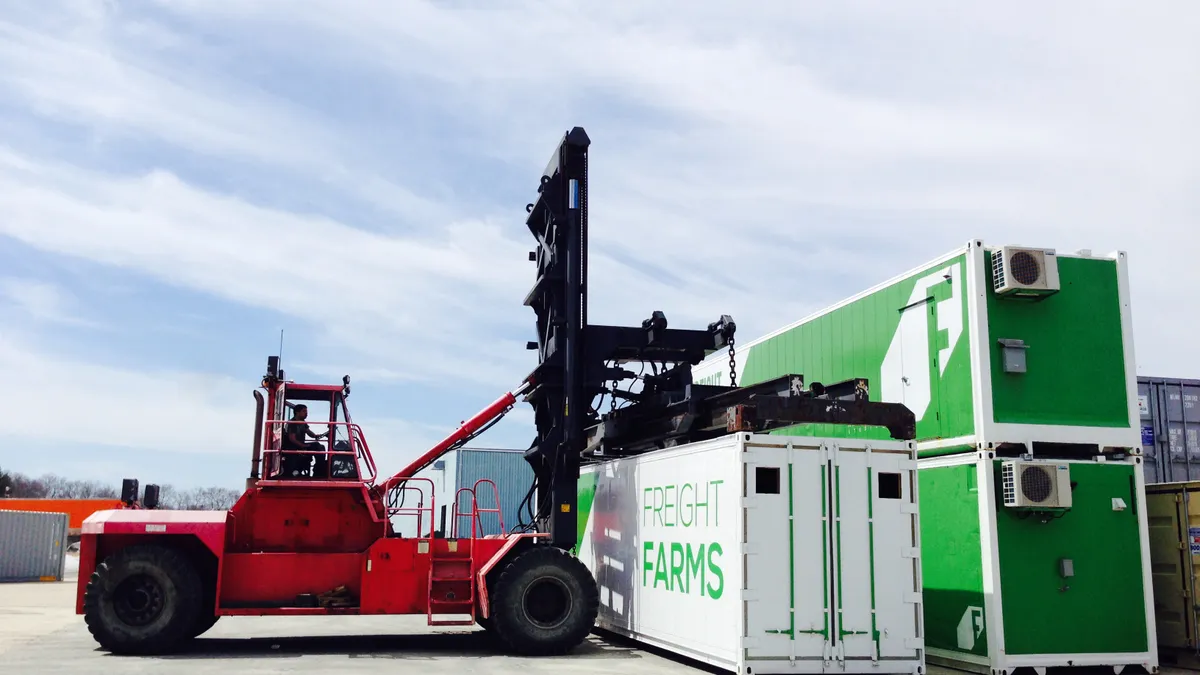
[[315, 532]]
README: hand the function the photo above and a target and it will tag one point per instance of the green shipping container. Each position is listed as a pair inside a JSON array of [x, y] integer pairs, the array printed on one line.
[[1004, 354]]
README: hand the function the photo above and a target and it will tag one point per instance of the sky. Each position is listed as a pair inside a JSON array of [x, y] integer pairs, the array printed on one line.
[[180, 181]]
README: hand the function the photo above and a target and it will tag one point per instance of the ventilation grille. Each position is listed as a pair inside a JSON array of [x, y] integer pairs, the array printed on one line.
[[1024, 270], [1036, 485]]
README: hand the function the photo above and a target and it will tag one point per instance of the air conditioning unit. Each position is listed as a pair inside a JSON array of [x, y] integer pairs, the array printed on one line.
[[1025, 272], [1036, 485]]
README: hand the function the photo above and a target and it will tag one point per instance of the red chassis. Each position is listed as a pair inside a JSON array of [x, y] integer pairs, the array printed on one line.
[[314, 534]]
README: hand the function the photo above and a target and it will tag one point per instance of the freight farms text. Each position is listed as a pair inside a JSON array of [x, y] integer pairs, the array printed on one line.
[[683, 567]]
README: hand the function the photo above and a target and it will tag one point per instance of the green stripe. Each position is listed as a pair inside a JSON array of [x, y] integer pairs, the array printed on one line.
[[871, 545], [791, 548], [825, 547], [837, 500]]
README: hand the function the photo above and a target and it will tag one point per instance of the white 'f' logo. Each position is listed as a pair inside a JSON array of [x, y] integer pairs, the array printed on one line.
[[905, 370]]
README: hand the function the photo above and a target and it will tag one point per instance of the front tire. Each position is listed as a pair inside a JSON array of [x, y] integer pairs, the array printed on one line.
[[545, 602], [144, 599]]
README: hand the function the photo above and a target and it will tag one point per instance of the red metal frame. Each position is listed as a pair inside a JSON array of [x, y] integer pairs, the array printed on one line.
[[287, 544], [473, 514]]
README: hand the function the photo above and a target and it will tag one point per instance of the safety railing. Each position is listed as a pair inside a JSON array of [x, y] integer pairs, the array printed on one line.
[[397, 505], [320, 456], [473, 514]]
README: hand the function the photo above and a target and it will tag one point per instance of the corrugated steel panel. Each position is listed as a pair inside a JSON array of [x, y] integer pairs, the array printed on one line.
[[1170, 428], [33, 546], [1174, 515], [513, 477]]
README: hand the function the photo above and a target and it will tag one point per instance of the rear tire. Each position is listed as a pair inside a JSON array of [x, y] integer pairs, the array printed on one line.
[[545, 602], [204, 621], [144, 599]]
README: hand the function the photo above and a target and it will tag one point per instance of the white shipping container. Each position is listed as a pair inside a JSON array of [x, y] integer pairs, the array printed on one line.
[[761, 553]]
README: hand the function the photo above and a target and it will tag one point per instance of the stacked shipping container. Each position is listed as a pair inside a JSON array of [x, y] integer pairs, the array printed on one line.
[[1170, 412], [1043, 377]]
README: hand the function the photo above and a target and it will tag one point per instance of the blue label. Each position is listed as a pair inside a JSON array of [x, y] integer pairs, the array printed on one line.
[[1147, 434], [1194, 538]]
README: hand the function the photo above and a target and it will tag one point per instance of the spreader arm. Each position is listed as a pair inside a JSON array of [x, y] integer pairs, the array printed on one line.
[[468, 430]]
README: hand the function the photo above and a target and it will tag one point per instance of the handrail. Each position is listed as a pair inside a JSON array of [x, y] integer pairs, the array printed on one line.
[[496, 510], [476, 523], [419, 511], [359, 449], [455, 515]]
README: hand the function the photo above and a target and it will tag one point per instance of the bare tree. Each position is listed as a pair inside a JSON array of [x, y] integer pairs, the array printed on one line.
[[50, 486]]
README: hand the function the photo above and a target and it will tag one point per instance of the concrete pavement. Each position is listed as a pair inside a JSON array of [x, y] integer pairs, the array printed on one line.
[[40, 633]]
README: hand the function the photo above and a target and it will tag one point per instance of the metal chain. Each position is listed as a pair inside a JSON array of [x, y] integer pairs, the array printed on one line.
[[732, 365], [612, 401]]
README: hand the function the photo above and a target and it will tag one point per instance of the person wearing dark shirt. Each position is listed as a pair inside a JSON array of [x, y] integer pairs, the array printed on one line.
[[296, 437]]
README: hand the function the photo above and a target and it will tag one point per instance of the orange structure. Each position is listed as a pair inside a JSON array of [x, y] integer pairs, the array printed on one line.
[[76, 509]]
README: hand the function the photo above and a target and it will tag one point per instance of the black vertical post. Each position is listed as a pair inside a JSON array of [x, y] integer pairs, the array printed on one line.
[[564, 488], [558, 221]]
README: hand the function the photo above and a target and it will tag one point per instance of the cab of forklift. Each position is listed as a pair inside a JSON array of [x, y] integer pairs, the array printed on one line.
[[311, 436]]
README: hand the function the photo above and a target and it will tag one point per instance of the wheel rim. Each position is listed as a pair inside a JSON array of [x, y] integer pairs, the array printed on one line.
[[547, 602], [138, 600]]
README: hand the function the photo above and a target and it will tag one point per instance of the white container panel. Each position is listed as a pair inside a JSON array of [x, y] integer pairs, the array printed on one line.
[[727, 552], [787, 545]]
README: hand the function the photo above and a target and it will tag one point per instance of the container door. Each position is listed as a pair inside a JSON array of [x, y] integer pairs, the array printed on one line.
[[917, 366], [787, 554], [875, 542], [1169, 553]]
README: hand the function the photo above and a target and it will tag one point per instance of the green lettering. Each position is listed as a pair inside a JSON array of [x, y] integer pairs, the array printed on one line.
[[659, 498], [690, 510], [677, 567], [660, 569], [647, 566], [695, 567], [646, 504], [669, 504], [715, 570]]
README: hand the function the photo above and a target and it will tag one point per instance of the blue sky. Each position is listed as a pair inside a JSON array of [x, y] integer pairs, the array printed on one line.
[[181, 180]]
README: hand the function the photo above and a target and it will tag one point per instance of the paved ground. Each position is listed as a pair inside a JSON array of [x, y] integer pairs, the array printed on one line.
[[40, 633]]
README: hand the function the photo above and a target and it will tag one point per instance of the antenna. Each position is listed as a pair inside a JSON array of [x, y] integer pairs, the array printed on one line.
[[280, 345]]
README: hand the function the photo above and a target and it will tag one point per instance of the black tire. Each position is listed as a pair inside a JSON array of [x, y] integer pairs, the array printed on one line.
[[204, 621], [545, 602], [144, 599], [487, 624]]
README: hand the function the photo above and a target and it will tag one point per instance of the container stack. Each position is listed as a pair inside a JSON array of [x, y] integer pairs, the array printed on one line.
[[1019, 366]]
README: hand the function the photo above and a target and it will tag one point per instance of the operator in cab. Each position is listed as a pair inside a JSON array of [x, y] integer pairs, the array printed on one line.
[[296, 437]]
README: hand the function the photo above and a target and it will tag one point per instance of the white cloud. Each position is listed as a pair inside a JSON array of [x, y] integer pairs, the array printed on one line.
[[108, 411], [53, 397], [762, 165], [41, 301]]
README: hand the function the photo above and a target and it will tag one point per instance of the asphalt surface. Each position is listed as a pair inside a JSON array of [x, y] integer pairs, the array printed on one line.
[[40, 633]]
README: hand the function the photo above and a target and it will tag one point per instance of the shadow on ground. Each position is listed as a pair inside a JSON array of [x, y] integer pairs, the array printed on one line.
[[467, 644]]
